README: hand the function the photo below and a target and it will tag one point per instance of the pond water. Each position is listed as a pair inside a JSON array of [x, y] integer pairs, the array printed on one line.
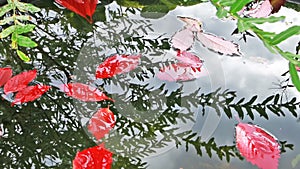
[[158, 122]]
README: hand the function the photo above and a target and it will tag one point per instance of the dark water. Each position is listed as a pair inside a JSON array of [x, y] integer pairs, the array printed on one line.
[[158, 122]]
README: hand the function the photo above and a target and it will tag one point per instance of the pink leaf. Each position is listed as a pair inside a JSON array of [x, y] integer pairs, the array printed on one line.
[[84, 8], [218, 44], [101, 123], [191, 23], [189, 58], [183, 40], [179, 72], [263, 10], [257, 146], [117, 64], [30, 93], [19, 81], [84, 92], [5, 75], [93, 158]]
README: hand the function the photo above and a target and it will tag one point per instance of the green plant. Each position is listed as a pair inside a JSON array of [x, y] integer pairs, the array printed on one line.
[[230, 8], [18, 25]]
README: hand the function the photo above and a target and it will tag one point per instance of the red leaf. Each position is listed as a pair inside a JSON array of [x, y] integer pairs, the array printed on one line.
[[189, 58], [101, 123], [5, 75], [30, 93], [19, 81], [179, 72], [84, 92], [183, 40], [93, 158], [84, 8], [257, 146], [218, 44], [191, 23], [117, 64]]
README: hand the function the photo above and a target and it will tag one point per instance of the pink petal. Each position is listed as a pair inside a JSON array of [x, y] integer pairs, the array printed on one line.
[[101, 123], [218, 44], [263, 10], [19, 81], [189, 58], [257, 146], [30, 93], [84, 92], [183, 40], [117, 64], [191, 23], [5, 75], [93, 158]]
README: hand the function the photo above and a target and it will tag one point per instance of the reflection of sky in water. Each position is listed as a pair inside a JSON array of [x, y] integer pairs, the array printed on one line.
[[252, 74]]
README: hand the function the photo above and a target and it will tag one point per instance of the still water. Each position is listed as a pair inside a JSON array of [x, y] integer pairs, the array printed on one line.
[[154, 117]]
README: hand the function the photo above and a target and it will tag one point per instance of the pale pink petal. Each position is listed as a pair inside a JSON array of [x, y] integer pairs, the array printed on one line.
[[183, 39], [264, 10], [189, 58], [218, 44], [191, 23]]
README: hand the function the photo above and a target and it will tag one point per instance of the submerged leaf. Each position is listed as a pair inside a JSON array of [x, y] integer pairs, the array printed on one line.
[[84, 8], [19, 81], [257, 146], [183, 40], [84, 92], [117, 64], [218, 44], [30, 93], [101, 123], [5, 75], [93, 158]]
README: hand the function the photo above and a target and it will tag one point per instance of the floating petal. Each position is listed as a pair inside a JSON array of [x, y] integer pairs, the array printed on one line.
[[30, 93], [5, 75], [19, 82]]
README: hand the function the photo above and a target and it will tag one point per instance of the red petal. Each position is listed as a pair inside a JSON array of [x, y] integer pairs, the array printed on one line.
[[101, 123], [19, 81], [117, 64], [179, 72], [84, 92], [189, 58], [257, 146], [93, 158], [5, 75], [183, 40], [84, 8], [30, 93]]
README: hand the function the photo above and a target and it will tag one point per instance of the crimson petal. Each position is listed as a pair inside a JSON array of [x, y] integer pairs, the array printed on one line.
[[117, 64], [101, 123], [19, 81], [84, 92], [93, 158], [5, 75], [30, 93], [84, 8], [257, 146]]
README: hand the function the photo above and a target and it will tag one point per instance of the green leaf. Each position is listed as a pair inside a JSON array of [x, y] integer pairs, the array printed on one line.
[[227, 2], [270, 19], [23, 17], [6, 8], [221, 13], [24, 7], [25, 41], [6, 32], [294, 30], [243, 26], [23, 56], [20, 29], [294, 76], [238, 5], [6, 20], [14, 37]]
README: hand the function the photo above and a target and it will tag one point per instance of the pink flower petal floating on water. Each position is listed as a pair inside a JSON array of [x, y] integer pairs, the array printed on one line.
[[264, 10], [101, 123], [191, 23], [257, 146], [179, 72], [5, 75], [93, 158], [19, 82], [183, 40], [218, 44], [189, 58], [84, 92], [84, 8], [30, 93], [117, 64]]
